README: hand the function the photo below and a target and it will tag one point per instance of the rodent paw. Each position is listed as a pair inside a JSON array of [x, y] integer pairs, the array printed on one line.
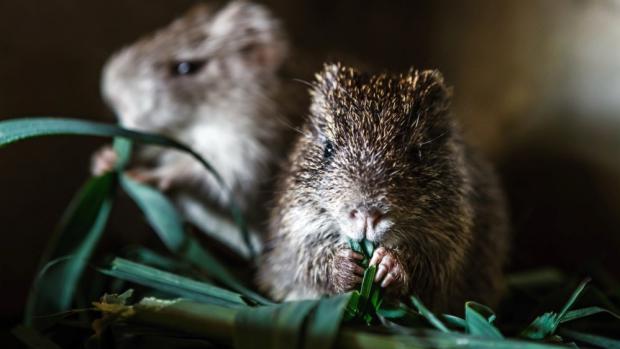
[[150, 177], [389, 269], [346, 273], [103, 161]]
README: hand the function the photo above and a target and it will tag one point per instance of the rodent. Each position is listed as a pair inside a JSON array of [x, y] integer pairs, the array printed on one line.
[[381, 158], [211, 79]]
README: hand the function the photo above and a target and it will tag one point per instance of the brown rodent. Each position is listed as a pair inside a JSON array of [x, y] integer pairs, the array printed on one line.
[[211, 80], [381, 158]]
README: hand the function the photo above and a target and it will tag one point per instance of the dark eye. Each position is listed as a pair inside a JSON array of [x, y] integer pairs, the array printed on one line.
[[183, 68], [328, 151]]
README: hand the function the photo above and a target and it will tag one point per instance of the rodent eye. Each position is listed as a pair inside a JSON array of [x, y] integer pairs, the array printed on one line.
[[328, 151], [182, 68]]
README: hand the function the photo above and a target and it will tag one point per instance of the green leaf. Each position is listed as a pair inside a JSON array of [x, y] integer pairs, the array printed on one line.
[[545, 325], [171, 283], [274, 326], [369, 248], [356, 246], [479, 320], [365, 303], [194, 253], [165, 220], [542, 327], [77, 235], [352, 309], [151, 258], [428, 315], [363, 247], [599, 341], [161, 214], [455, 321], [122, 147], [14, 130], [324, 323], [368, 282], [392, 313], [573, 298], [585, 312]]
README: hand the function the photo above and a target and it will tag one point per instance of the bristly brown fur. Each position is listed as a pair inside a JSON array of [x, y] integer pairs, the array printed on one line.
[[396, 147]]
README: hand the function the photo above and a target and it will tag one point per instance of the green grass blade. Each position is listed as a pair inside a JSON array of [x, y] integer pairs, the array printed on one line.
[[275, 326], [368, 281], [171, 283], [160, 213], [195, 254], [219, 324], [153, 259], [324, 323], [573, 298], [77, 235], [546, 324], [598, 341], [428, 315], [585, 312], [479, 321], [14, 130], [166, 221], [455, 321]]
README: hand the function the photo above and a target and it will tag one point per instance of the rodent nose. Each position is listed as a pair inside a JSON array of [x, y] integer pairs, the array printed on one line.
[[368, 218]]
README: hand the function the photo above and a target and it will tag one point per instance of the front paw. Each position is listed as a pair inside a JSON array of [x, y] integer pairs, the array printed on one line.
[[390, 272], [153, 177], [103, 161], [346, 274]]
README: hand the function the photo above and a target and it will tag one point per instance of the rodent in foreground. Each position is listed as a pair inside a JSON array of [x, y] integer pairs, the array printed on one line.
[[381, 158], [210, 80]]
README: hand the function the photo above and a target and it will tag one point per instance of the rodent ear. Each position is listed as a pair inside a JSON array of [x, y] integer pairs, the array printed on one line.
[[330, 78], [325, 84], [432, 94], [431, 106], [257, 32]]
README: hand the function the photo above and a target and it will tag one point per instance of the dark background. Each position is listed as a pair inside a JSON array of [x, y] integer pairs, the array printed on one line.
[[537, 87]]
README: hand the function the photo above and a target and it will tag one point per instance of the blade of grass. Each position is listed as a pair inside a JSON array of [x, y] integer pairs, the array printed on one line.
[[546, 324], [584, 312], [160, 213], [77, 235], [274, 326], [166, 221], [573, 298], [218, 324], [432, 319], [14, 130], [194, 253], [599, 341], [324, 323], [479, 321], [171, 283]]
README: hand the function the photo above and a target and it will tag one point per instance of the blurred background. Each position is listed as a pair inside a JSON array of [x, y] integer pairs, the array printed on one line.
[[536, 86]]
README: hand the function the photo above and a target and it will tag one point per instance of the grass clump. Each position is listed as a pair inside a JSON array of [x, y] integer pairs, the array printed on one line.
[[189, 298]]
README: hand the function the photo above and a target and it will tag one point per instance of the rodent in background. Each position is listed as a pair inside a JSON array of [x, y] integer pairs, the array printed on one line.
[[210, 80], [381, 158]]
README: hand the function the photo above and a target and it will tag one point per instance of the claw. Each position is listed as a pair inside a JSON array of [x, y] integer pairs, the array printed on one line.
[[378, 255], [381, 271], [388, 269], [391, 277]]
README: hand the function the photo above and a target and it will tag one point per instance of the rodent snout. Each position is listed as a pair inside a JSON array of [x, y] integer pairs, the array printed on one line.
[[366, 222]]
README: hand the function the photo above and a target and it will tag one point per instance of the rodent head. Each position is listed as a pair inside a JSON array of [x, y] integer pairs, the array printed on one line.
[[381, 154], [218, 58]]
